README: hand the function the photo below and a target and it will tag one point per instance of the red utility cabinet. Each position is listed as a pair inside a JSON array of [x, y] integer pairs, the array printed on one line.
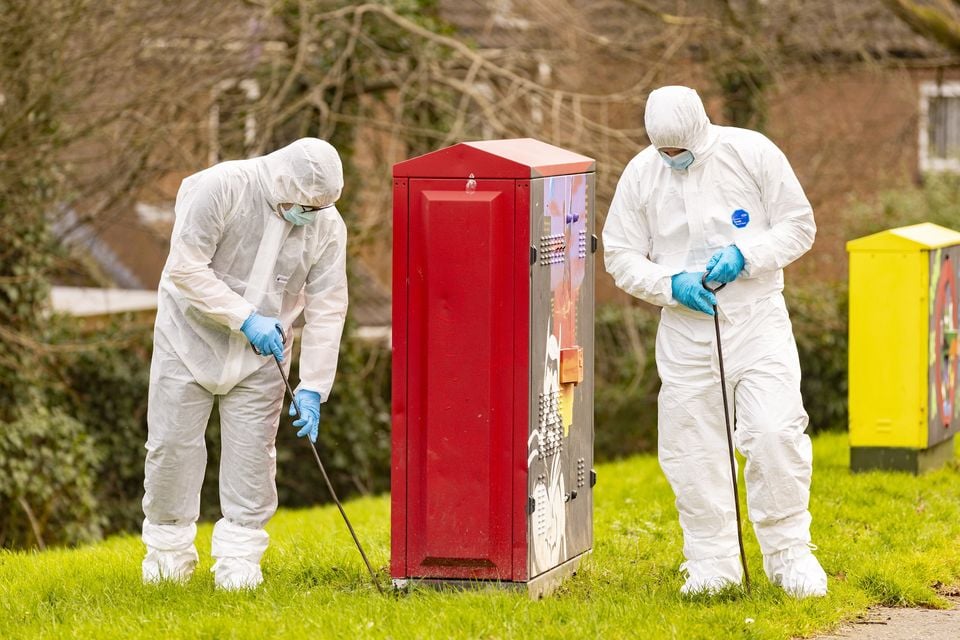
[[493, 280]]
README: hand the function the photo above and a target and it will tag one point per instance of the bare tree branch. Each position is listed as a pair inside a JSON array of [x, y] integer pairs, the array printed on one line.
[[938, 24], [34, 525], [674, 20]]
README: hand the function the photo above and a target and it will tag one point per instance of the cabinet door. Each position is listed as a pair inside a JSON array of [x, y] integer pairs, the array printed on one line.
[[460, 378], [560, 449], [944, 359]]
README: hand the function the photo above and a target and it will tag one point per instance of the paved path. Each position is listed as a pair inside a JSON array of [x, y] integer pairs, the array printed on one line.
[[885, 623]]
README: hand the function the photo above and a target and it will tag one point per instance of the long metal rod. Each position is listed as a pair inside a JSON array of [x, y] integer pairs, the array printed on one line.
[[733, 459], [326, 478]]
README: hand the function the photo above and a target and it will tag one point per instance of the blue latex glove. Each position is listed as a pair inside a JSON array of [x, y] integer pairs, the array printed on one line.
[[689, 291], [309, 421], [725, 265], [264, 334]]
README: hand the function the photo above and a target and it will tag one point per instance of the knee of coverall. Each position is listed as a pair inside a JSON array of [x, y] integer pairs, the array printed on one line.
[[779, 466], [690, 428], [692, 451], [689, 404], [169, 502], [175, 445], [252, 502], [173, 475], [249, 418], [770, 418]]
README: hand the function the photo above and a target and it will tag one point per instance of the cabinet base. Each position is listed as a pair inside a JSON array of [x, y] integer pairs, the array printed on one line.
[[915, 461], [538, 587]]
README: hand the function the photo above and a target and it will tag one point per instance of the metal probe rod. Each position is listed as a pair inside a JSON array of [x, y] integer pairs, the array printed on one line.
[[733, 460], [730, 448], [326, 478]]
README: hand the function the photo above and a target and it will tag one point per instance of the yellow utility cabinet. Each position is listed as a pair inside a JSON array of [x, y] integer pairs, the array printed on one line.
[[903, 348]]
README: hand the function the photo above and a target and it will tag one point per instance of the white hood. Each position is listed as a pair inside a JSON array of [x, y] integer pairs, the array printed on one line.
[[307, 172], [675, 117]]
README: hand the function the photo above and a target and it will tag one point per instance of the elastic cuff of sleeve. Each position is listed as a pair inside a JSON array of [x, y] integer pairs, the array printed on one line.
[[237, 320], [664, 288], [750, 257], [303, 388], [666, 273]]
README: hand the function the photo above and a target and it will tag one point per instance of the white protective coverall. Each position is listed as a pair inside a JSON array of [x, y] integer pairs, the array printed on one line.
[[739, 190], [231, 254]]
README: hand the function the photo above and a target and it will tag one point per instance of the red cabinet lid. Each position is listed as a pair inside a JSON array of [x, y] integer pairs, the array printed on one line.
[[519, 158]]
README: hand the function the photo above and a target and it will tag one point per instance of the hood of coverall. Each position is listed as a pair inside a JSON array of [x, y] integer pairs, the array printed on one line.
[[307, 172], [675, 117]]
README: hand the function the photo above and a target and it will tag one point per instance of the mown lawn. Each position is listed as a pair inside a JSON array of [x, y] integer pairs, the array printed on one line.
[[884, 538]]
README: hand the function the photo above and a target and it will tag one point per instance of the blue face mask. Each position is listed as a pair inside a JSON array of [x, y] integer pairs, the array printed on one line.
[[680, 161], [297, 215]]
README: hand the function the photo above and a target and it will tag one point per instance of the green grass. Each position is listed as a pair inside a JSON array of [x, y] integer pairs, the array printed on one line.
[[884, 538]]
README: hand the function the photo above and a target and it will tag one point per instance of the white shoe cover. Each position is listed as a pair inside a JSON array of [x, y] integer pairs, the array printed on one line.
[[174, 566], [237, 551], [711, 575], [170, 552], [797, 571], [232, 574]]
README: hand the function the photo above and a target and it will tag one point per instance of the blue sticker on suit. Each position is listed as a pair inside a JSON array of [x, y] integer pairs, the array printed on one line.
[[740, 218]]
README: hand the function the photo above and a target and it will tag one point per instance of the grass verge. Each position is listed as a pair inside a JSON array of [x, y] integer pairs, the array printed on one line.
[[884, 538]]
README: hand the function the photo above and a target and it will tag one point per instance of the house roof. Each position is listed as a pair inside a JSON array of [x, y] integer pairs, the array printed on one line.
[[369, 300], [812, 28], [847, 28], [127, 252], [94, 301], [132, 254]]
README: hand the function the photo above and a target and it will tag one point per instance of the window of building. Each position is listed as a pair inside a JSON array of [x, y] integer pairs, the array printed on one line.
[[940, 127], [233, 120]]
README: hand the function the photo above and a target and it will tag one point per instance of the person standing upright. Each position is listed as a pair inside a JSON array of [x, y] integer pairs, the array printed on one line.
[[721, 203]]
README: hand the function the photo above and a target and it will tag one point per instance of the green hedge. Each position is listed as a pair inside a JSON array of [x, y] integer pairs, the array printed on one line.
[[105, 388], [73, 462], [48, 469], [76, 458], [819, 316], [626, 382]]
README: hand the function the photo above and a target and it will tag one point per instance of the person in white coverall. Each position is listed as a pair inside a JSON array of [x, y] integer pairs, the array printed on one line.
[[721, 201], [255, 242]]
